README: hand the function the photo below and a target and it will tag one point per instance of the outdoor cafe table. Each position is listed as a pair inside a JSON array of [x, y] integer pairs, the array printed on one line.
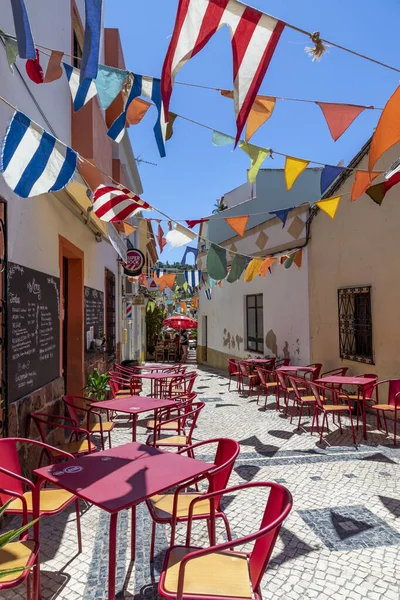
[[295, 369], [154, 368], [155, 379], [361, 382], [135, 405], [118, 479]]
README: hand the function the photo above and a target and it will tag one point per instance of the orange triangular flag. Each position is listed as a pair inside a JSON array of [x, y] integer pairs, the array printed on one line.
[[268, 262], [136, 111], [128, 228], [238, 224], [163, 285], [169, 279], [220, 283], [387, 132], [361, 183], [339, 116], [261, 111], [298, 258], [119, 226]]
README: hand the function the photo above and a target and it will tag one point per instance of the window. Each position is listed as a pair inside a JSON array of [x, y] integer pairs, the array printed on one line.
[[110, 314], [254, 323], [355, 324]]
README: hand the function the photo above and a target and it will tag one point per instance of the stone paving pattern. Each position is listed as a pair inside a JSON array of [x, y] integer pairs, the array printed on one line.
[[341, 540]]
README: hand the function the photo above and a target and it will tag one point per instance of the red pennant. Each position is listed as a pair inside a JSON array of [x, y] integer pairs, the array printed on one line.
[[160, 238], [339, 116], [34, 70], [195, 222]]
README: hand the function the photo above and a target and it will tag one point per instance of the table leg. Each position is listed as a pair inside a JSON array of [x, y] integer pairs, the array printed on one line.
[[112, 557], [133, 533], [134, 425], [364, 417], [37, 595]]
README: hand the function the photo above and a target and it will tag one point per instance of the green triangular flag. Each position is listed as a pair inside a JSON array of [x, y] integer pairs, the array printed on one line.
[[289, 261], [186, 286], [216, 262], [11, 47], [180, 280], [237, 268]]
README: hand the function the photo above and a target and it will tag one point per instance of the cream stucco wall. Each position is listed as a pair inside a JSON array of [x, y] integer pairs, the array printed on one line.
[[360, 247]]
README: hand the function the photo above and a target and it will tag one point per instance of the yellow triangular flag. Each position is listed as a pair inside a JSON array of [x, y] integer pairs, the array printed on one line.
[[330, 205], [293, 168], [257, 156], [253, 269]]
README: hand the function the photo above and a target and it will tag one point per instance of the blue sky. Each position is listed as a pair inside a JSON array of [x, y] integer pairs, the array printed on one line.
[[195, 174]]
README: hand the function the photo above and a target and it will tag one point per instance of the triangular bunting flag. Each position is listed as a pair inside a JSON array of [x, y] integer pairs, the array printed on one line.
[[128, 228], [261, 111], [298, 258], [282, 214], [237, 267], [339, 116], [11, 47], [330, 205], [267, 264], [362, 182], [109, 83], [253, 269], [136, 111], [289, 261], [377, 192], [160, 238], [81, 92], [91, 42], [26, 46], [387, 132], [170, 126], [329, 175], [169, 279], [257, 156], [54, 70], [238, 224], [195, 222], [221, 139], [179, 236], [216, 262], [293, 168]]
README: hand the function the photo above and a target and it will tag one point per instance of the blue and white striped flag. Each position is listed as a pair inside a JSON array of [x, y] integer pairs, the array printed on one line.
[[33, 161], [207, 293], [148, 87], [193, 277], [159, 272], [81, 92]]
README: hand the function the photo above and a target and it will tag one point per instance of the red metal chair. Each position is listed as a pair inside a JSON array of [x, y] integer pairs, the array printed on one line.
[[340, 371], [245, 372], [299, 384], [183, 384], [76, 404], [183, 418], [392, 405], [316, 370], [124, 385], [321, 394], [79, 447], [184, 403], [18, 559], [286, 389], [270, 363], [233, 369], [268, 382], [173, 508], [52, 500], [192, 573], [282, 362]]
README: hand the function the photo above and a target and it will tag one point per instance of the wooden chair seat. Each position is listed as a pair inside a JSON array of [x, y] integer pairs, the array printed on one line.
[[163, 505], [383, 407], [16, 555], [308, 399], [301, 389], [51, 500], [173, 440], [172, 426], [79, 447], [106, 426], [336, 407], [220, 574]]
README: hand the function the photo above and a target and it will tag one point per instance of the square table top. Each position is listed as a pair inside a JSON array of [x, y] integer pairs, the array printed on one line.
[[118, 478], [292, 369], [134, 404], [156, 375], [257, 360], [343, 380]]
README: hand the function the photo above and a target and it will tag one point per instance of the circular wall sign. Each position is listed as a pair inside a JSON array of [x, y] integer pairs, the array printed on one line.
[[134, 262]]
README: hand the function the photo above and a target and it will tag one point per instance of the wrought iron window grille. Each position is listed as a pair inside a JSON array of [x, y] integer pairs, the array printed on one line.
[[355, 324]]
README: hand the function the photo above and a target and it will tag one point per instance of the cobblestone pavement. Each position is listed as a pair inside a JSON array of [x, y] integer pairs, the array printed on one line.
[[341, 540]]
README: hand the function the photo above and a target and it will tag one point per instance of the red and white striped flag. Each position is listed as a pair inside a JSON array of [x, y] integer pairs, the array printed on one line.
[[254, 36], [116, 203]]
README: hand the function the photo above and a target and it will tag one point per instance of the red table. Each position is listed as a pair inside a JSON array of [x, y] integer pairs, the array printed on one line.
[[156, 378], [293, 369], [155, 368], [135, 405], [360, 382], [118, 479]]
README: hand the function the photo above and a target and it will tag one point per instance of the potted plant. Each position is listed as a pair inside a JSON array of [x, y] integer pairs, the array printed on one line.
[[9, 536], [97, 385]]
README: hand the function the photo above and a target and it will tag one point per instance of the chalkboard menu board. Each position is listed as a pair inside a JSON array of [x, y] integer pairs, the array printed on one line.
[[94, 316], [33, 301]]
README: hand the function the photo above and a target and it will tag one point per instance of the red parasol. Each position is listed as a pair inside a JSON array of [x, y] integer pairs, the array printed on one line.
[[177, 322]]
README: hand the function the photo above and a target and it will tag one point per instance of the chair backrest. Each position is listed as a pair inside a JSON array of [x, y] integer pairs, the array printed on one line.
[[191, 412], [316, 370], [282, 362], [319, 390], [9, 460], [393, 390], [225, 456], [75, 404], [369, 389], [297, 382], [340, 371], [232, 365], [244, 368], [281, 375]]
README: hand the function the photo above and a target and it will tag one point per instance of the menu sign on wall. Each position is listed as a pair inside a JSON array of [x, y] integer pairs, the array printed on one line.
[[94, 316], [33, 302]]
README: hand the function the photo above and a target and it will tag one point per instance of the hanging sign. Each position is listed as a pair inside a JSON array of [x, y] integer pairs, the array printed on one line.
[[134, 262]]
